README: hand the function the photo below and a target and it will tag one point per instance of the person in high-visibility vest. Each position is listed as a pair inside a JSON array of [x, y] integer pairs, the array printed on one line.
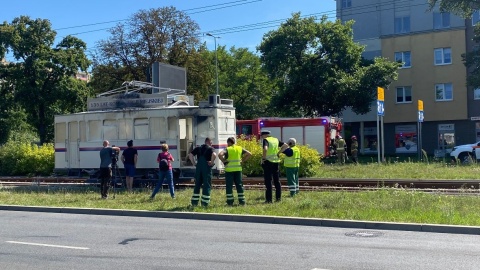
[[292, 164], [203, 173], [270, 162], [233, 157], [340, 149]]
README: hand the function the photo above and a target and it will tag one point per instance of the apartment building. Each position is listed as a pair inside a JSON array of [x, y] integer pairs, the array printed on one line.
[[430, 45]]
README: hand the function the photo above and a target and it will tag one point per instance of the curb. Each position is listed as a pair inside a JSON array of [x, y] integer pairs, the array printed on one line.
[[354, 224]]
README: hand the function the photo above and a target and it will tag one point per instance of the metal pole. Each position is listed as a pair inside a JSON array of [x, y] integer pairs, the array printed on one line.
[[383, 140], [378, 141], [216, 61]]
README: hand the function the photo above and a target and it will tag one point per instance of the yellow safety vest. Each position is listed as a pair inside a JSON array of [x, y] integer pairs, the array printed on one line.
[[272, 150], [234, 159], [294, 160]]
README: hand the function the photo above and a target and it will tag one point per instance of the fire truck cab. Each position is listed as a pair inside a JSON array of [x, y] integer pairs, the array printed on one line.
[[318, 133]]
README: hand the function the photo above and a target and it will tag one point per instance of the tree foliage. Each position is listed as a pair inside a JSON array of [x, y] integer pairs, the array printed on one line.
[[164, 35], [41, 78], [471, 59], [321, 67], [242, 79]]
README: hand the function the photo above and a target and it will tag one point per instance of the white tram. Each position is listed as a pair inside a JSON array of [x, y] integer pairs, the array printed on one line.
[[147, 115]]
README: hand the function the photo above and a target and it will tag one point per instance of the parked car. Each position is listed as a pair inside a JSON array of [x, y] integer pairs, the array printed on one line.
[[466, 153]]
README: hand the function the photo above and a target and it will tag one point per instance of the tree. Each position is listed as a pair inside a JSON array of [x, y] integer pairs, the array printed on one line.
[[471, 59], [42, 76], [164, 35], [242, 79], [321, 67]]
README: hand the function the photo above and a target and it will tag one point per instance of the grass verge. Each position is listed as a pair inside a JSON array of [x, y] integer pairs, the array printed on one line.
[[388, 204]]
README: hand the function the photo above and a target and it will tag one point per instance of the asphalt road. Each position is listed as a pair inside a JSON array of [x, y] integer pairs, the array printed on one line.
[[32, 240]]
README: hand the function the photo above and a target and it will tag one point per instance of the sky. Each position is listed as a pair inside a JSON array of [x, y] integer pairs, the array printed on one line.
[[239, 23]]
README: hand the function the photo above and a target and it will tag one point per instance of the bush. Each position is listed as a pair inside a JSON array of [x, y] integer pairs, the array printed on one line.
[[20, 158], [310, 159]]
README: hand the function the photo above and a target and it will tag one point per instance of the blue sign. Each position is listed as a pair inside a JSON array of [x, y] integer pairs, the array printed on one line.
[[420, 116], [380, 108]]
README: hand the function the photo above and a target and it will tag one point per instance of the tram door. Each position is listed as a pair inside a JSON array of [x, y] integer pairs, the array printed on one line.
[[73, 144], [185, 135]]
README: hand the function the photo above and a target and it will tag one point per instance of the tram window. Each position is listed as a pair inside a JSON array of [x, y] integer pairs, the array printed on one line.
[[110, 130], [73, 131], [172, 127], [158, 128], [94, 131], [206, 126], [226, 124], [83, 131], [60, 132], [141, 129], [125, 129]]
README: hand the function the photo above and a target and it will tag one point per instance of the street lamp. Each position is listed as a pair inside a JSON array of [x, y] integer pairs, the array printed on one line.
[[216, 59]]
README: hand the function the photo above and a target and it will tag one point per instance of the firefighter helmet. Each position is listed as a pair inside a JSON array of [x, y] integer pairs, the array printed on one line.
[[354, 137]]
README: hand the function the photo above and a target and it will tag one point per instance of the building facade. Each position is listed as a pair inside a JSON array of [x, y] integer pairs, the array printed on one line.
[[430, 45]]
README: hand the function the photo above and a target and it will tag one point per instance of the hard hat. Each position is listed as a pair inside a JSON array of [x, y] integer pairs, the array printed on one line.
[[354, 137]]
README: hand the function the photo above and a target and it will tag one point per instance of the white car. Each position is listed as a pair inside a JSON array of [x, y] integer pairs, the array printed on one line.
[[466, 153]]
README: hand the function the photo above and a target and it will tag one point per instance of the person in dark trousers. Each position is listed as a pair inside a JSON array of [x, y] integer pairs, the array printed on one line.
[[233, 157], [354, 149], [292, 165], [106, 167], [164, 160], [205, 156], [129, 160], [270, 162]]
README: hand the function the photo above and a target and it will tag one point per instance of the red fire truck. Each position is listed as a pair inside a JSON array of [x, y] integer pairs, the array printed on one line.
[[318, 132]]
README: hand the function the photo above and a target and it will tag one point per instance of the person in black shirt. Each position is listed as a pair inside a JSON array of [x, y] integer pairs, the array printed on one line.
[[206, 156], [129, 160]]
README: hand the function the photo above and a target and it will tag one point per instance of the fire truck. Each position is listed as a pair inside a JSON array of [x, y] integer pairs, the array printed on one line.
[[318, 133]]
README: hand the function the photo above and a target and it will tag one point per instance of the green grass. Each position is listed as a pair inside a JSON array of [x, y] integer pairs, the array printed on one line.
[[401, 170], [388, 204]]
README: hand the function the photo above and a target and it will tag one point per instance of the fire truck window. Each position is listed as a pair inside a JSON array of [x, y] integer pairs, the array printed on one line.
[[141, 129], [247, 130], [172, 127], [83, 131], [94, 131], [125, 129], [158, 128], [60, 132], [73, 131], [110, 130]]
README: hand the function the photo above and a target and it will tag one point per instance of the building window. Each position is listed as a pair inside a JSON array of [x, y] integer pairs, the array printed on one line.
[[403, 57], [443, 56], [443, 92], [346, 3], [441, 20], [476, 94], [402, 25], [475, 17], [404, 94]]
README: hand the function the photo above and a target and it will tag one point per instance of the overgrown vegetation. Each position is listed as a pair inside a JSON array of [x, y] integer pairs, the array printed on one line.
[[388, 204], [24, 158]]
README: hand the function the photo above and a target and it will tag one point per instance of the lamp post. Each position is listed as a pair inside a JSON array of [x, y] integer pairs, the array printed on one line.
[[216, 59]]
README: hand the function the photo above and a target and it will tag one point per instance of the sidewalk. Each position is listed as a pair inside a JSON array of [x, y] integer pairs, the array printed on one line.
[[374, 225]]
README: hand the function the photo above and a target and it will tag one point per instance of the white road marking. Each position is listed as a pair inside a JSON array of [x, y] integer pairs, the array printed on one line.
[[45, 245], [319, 269]]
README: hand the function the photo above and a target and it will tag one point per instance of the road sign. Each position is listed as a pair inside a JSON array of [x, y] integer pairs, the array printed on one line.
[[380, 94], [420, 116], [380, 108]]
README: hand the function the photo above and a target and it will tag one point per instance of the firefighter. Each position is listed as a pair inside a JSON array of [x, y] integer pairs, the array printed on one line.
[[270, 162], [340, 142], [233, 157], [203, 174], [354, 149], [292, 164]]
